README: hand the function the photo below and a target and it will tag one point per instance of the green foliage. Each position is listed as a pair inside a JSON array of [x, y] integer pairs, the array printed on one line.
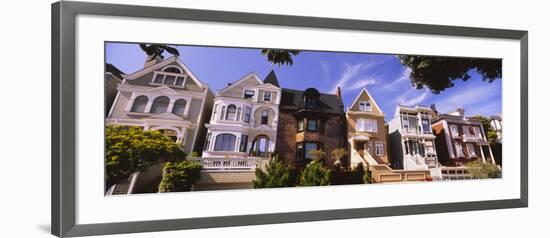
[[315, 174], [130, 149], [156, 50], [438, 73], [367, 176], [481, 170], [490, 133], [280, 57], [179, 176], [195, 154], [318, 155], [337, 154], [276, 175]]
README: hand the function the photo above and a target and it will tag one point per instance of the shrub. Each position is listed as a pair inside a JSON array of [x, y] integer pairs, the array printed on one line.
[[179, 176], [276, 175], [315, 174], [131, 149], [195, 154], [337, 154], [479, 169], [367, 177]]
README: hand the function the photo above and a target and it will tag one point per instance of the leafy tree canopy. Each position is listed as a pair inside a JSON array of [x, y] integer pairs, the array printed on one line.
[[490, 133], [131, 149], [276, 175], [438, 73], [280, 57], [156, 50]]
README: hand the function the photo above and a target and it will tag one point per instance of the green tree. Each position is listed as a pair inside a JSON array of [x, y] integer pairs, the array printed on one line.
[[438, 73], [315, 174], [490, 133], [276, 175], [154, 51], [279, 56], [337, 154], [179, 176], [479, 169], [131, 149]]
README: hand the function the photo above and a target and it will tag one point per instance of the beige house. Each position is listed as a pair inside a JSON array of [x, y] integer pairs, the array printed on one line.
[[367, 134]]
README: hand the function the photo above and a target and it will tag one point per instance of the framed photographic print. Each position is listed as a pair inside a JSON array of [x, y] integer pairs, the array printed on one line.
[[166, 119]]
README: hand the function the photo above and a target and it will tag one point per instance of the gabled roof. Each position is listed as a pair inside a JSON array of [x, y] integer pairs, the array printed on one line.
[[294, 100], [160, 65], [365, 91], [271, 78], [241, 80]]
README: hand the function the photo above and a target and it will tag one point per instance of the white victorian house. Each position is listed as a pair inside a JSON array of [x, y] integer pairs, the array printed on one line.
[[165, 96], [244, 119]]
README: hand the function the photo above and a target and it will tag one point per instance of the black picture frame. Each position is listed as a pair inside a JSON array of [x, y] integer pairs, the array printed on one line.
[[64, 132]]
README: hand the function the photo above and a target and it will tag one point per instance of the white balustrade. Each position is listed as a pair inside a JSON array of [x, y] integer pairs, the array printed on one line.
[[230, 164]]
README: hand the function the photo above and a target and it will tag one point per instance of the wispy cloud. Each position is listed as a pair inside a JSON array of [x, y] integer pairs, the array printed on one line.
[[412, 97], [361, 83], [326, 70], [475, 99], [350, 72], [403, 77]]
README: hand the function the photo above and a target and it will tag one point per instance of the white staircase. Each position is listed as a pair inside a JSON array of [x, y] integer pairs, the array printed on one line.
[[411, 162]]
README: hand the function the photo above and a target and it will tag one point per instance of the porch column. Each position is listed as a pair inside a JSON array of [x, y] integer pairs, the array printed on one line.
[[491, 153], [482, 154]]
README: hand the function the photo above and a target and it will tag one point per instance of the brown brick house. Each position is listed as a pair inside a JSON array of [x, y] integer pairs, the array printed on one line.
[[309, 120], [460, 139]]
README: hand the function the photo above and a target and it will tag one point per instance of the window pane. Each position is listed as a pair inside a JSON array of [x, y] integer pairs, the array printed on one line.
[[301, 125], [311, 125], [244, 143], [179, 107], [249, 94], [158, 78], [265, 117], [310, 147], [231, 111], [160, 105], [299, 152], [169, 79], [247, 114], [139, 104], [225, 142], [179, 81], [267, 96]]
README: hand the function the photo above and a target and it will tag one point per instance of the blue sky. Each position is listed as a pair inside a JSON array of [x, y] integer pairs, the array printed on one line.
[[383, 76]]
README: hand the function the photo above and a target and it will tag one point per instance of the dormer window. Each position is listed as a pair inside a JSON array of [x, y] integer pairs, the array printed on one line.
[[171, 76], [311, 103], [365, 106], [248, 94]]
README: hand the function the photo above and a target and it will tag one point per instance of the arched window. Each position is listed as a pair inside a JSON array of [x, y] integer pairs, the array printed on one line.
[[260, 146], [179, 107], [225, 142], [231, 111], [172, 69], [160, 105], [139, 104]]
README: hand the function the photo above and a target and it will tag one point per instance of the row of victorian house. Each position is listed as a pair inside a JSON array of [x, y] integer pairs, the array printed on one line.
[[253, 118]]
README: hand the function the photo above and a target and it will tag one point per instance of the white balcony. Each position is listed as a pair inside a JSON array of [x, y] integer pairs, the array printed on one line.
[[230, 164], [471, 138]]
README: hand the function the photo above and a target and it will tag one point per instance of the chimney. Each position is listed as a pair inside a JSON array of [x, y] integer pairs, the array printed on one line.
[[339, 92], [435, 113], [458, 112]]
